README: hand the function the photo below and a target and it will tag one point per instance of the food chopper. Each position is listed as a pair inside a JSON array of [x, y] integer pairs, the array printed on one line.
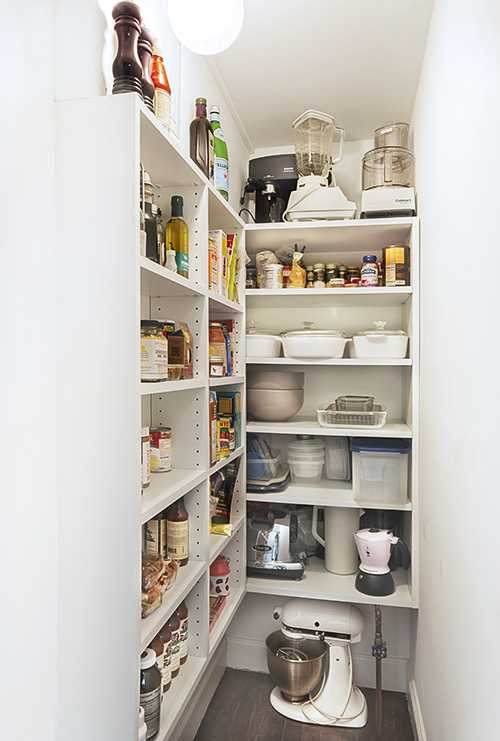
[[311, 653], [387, 175], [314, 199]]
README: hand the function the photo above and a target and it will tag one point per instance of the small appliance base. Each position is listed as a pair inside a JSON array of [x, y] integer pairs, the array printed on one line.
[[294, 712], [376, 585]]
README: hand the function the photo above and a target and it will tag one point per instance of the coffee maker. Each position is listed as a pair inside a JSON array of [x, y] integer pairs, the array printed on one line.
[[272, 179]]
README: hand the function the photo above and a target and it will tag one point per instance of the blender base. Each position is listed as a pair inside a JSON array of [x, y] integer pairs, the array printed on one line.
[[294, 712], [376, 585]]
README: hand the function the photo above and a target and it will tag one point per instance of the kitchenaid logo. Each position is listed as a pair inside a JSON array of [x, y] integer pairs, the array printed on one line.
[[262, 548]]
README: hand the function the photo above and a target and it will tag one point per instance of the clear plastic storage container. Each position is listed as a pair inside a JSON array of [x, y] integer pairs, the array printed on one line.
[[380, 470], [329, 416]]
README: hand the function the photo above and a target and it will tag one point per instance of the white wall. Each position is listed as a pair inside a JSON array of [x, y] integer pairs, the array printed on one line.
[[457, 143], [28, 524]]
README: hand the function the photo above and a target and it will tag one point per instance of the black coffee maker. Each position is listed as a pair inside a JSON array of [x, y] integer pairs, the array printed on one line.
[[272, 179]]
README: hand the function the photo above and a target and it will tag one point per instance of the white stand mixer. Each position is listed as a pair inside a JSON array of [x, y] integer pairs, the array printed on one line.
[[338, 702]]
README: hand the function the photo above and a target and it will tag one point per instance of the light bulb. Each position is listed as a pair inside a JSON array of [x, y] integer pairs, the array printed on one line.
[[206, 28]]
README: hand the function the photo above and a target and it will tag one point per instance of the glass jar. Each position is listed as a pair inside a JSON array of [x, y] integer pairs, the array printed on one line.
[[369, 271], [216, 342], [145, 458], [331, 271], [319, 275], [342, 272], [310, 276], [352, 272], [216, 363], [154, 365], [150, 692]]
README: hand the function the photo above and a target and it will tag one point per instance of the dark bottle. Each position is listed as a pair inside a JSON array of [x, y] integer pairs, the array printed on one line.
[[150, 692], [145, 50], [182, 614], [201, 140], [178, 532], [175, 626], [150, 223], [127, 67], [166, 636]]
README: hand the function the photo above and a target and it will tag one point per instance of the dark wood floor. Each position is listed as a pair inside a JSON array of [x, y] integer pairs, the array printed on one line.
[[240, 711]]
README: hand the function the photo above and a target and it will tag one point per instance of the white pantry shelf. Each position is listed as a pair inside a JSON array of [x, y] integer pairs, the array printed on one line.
[[176, 698], [233, 601], [226, 381], [167, 487], [162, 387], [310, 426], [318, 583], [157, 280], [217, 543], [301, 298], [355, 362], [227, 459], [218, 303]]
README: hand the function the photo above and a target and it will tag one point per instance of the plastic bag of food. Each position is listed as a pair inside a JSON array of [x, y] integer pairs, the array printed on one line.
[[297, 277], [266, 257], [153, 566], [222, 487], [150, 601], [169, 576]]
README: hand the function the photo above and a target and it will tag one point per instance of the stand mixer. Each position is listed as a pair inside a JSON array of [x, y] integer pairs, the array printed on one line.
[[310, 653], [314, 199]]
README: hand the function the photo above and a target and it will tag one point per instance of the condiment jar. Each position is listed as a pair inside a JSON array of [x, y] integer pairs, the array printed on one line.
[[369, 271], [352, 272], [153, 351], [166, 636], [216, 342], [145, 458], [319, 275], [182, 614], [175, 626], [331, 271], [216, 366], [310, 276], [156, 645], [342, 272], [150, 692]]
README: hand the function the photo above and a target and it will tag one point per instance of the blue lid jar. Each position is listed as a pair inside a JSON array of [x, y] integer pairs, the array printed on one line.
[[370, 258]]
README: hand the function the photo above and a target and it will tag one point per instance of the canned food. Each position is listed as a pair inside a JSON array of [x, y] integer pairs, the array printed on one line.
[[272, 277], [161, 449]]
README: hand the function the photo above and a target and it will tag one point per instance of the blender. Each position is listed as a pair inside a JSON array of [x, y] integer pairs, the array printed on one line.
[[387, 175], [314, 199]]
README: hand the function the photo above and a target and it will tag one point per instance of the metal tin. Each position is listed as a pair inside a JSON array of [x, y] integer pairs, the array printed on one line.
[[161, 449]]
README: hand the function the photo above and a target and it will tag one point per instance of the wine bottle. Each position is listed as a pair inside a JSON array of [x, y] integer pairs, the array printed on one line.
[[162, 95], [221, 161], [201, 140], [177, 236]]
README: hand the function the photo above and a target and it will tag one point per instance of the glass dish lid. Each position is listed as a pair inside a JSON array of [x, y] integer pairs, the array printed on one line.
[[255, 331], [308, 332], [380, 330]]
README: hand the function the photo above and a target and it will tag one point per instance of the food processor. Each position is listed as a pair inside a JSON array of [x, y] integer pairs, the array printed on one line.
[[310, 661], [387, 175], [314, 199]]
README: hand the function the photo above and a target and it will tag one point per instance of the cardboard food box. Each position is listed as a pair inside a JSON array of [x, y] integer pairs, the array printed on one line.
[[213, 265], [218, 238], [212, 416], [180, 349]]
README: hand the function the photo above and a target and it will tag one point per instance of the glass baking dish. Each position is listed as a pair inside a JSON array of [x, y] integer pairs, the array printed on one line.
[[329, 416]]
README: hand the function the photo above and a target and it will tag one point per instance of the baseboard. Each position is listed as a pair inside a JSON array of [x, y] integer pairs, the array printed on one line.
[[187, 727], [244, 653], [416, 716]]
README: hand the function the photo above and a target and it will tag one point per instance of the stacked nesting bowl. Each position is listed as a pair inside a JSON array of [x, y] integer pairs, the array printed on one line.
[[306, 458], [274, 396]]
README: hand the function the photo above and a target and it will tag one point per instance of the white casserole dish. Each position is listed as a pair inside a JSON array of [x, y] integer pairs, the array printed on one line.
[[314, 344], [379, 343], [263, 346]]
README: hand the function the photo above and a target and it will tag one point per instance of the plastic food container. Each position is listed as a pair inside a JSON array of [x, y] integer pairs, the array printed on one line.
[[260, 468], [306, 472], [329, 416], [337, 459], [380, 470], [307, 343], [380, 342]]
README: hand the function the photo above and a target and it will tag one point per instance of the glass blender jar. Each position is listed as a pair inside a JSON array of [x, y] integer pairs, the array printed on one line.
[[314, 134]]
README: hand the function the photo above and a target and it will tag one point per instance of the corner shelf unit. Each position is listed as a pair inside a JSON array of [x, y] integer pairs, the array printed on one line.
[[392, 382], [106, 289]]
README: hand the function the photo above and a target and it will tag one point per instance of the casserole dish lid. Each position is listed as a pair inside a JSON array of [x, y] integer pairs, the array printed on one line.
[[380, 330], [254, 331], [308, 332]]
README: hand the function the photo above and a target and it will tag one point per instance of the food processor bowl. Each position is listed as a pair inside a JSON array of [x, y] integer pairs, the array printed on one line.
[[388, 167], [295, 677], [392, 135]]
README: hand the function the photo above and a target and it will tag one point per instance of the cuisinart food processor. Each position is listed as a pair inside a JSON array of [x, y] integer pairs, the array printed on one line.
[[314, 199], [387, 175], [310, 661]]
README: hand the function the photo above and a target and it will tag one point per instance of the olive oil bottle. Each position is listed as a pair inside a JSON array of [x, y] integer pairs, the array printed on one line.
[[177, 236]]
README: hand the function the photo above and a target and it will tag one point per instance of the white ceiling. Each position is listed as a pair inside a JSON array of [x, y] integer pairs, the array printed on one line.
[[358, 60]]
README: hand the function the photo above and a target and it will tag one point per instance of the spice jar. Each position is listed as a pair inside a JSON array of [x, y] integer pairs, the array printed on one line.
[[145, 458], [150, 692], [319, 275], [352, 272], [217, 342], [161, 449], [369, 271], [331, 271], [310, 276], [153, 351], [342, 272], [216, 366]]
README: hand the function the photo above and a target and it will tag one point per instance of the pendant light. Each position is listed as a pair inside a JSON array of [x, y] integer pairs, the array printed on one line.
[[206, 28]]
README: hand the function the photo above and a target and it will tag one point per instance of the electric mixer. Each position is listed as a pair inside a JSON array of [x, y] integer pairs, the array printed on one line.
[[311, 653]]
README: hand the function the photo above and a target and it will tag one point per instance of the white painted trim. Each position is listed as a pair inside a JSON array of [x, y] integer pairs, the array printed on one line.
[[416, 716], [248, 654], [200, 700]]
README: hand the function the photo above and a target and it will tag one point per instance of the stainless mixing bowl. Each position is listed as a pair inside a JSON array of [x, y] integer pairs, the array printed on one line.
[[296, 679]]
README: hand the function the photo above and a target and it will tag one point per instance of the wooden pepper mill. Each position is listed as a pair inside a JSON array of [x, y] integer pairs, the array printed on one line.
[[145, 48], [127, 67]]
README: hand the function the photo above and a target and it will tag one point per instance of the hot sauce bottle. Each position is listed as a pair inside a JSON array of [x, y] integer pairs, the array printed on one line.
[[162, 94]]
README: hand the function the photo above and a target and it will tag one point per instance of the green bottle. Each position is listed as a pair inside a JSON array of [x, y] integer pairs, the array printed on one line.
[[221, 161], [177, 236]]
